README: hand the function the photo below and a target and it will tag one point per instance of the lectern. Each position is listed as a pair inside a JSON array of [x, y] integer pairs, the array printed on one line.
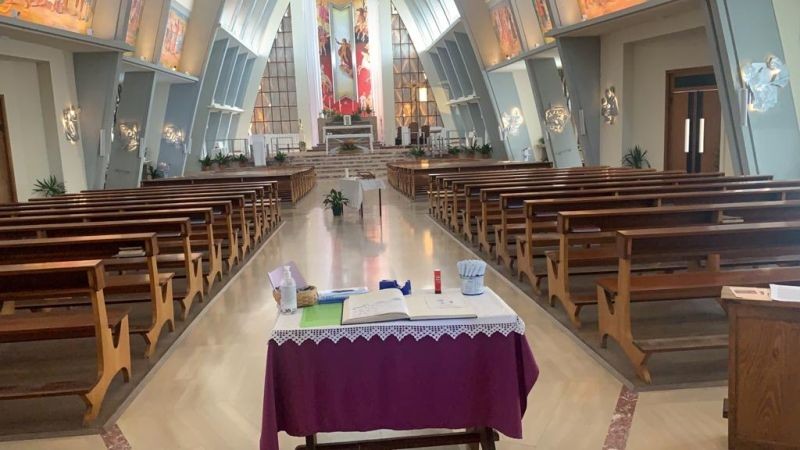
[[764, 373]]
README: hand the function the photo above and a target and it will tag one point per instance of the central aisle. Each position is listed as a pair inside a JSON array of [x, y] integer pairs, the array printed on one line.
[[208, 393]]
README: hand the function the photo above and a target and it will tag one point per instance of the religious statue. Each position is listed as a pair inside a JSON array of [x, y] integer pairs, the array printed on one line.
[[345, 56]]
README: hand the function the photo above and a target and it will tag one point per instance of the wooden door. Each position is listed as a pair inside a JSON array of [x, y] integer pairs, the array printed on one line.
[[693, 121], [8, 191]]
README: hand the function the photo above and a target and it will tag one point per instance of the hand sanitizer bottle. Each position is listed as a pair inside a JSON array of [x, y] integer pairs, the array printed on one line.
[[288, 292]]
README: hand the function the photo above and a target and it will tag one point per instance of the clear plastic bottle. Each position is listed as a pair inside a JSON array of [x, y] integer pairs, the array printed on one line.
[[288, 292]]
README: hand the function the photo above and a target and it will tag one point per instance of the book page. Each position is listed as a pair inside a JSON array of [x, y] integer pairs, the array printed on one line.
[[377, 306], [428, 306], [784, 293]]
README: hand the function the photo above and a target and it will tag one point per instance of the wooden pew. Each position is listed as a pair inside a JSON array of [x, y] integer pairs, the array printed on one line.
[[224, 224], [177, 228], [202, 241], [544, 212], [119, 288], [509, 221], [109, 326], [716, 242], [472, 203], [599, 227]]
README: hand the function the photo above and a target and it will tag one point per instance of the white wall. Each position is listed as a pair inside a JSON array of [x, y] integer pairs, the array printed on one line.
[[528, 106], [635, 61], [39, 83], [788, 14], [20, 87]]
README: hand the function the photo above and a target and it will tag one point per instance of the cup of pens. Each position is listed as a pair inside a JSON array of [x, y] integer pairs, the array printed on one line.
[[471, 272]]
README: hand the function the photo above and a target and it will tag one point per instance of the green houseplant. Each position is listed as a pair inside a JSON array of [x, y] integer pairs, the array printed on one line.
[[221, 160], [417, 152], [335, 201], [348, 146], [485, 150], [49, 187], [471, 149], [206, 162], [280, 157], [636, 158], [152, 173], [453, 151]]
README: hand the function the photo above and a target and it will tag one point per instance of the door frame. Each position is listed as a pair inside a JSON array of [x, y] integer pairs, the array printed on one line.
[[670, 76], [7, 145]]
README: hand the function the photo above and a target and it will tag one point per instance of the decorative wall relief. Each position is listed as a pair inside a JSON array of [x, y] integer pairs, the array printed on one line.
[[130, 135], [512, 121], [609, 106], [173, 134], [177, 21], [596, 8], [506, 29], [70, 122], [763, 80], [74, 15], [134, 22], [543, 15], [556, 118]]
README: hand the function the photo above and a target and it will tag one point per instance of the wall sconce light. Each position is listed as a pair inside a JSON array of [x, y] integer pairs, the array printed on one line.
[[173, 134], [70, 121], [763, 79], [556, 118], [609, 106], [130, 133], [512, 121]]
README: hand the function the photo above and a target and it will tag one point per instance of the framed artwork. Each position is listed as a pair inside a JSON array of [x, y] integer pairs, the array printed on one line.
[[171, 49], [543, 16], [134, 22], [506, 29], [596, 8], [70, 15]]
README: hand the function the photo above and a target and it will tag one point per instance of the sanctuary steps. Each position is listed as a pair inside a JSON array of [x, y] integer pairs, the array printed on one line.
[[333, 166]]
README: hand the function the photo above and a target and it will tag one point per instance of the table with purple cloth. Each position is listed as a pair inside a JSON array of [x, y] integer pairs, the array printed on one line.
[[472, 374]]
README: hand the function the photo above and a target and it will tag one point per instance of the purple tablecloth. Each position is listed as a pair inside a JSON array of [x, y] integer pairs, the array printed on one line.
[[401, 385]]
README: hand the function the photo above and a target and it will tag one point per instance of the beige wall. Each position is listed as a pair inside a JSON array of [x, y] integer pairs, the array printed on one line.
[[635, 62], [39, 83], [788, 14]]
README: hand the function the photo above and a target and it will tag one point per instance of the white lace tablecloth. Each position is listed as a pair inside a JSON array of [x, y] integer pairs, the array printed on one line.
[[494, 316], [353, 189]]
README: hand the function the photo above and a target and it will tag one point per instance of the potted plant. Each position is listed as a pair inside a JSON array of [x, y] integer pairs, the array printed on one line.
[[335, 201], [636, 158], [152, 173], [242, 159], [205, 163], [485, 150], [220, 160], [280, 157], [470, 150], [348, 146], [49, 187], [417, 152], [453, 151]]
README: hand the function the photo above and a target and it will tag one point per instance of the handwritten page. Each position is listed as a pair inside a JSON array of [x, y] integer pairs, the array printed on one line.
[[378, 306]]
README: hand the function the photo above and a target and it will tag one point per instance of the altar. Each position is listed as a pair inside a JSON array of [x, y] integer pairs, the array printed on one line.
[[358, 132]]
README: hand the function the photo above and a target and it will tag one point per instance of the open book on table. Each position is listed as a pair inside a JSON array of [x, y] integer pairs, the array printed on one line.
[[389, 304]]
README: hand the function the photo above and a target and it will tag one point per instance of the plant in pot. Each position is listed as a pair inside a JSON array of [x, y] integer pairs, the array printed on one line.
[[220, 160], [152, 173], [470, 150], [453, 151], [485, 150], [205, 163], [335, 201], [417, 152], [49, 187], [244, 161], [348, 146], [636, 158], [280, 157]]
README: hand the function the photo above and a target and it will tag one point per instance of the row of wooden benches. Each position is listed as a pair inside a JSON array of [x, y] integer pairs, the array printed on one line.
[[75, 265], [682, 235]]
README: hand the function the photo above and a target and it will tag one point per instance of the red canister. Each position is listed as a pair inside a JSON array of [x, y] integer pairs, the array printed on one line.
[[437, 281]]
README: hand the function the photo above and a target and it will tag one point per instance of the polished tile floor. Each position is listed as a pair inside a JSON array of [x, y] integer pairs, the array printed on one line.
[[207, 394]]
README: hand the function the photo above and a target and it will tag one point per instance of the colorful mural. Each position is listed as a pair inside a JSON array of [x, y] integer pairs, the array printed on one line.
[[172, 48], [344, 59], [134, 22], [543, 15], [506, 29], [71, 15], [596, 8]]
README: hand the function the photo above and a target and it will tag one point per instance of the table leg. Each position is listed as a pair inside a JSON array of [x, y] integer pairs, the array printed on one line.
[[487, 439], [311, 442], [380, 204]]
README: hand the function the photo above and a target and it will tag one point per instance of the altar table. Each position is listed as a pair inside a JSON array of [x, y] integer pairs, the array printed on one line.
[[438, 374]]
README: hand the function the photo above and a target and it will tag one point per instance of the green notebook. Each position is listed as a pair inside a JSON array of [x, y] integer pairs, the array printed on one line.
[[326, 315]]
